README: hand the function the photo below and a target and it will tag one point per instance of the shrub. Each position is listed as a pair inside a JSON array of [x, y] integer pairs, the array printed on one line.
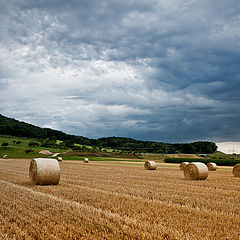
[[28, 150], [33, 144], [4, 144], [219, 162]]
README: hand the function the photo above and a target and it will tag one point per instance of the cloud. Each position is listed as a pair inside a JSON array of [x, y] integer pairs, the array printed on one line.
[[153, 70], [229, 147]]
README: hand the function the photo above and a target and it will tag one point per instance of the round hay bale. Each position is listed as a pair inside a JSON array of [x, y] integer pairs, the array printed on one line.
[[183, 165], [212, 166], [196, 171], [150, 165], [86, 160], [44, 171], [46, 152], [5, 156], [55, 154], [59, 159], [236, 170]]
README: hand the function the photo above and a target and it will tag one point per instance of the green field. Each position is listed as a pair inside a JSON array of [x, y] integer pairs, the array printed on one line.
[[18, 150], [14, 150], [18, 145]]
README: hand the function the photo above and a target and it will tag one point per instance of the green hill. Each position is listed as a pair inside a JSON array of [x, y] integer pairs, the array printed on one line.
[[48, 138], [10, 126], [18, 147]]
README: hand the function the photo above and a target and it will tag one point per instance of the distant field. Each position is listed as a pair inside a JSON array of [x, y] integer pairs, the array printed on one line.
[[101, 200], [14, 150], [18, 150]]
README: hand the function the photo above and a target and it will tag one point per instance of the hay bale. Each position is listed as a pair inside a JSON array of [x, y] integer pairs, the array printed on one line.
[[196, 171], [5, 156], [59, 159], [183, 165], [44, 171], [85, 160], [55, 154], [150, 165], [46, 152], [236, 170], [212, 166]]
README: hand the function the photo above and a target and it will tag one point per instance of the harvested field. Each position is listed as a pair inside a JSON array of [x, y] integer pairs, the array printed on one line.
[[114, 201]]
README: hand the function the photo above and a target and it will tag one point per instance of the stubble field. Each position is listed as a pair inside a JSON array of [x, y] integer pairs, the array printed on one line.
[[116, 201]]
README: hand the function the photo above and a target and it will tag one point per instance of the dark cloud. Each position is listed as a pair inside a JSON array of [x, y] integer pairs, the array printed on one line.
[[153, 70]]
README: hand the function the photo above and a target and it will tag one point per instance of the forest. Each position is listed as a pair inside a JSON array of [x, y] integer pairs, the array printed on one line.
[[47, 136]]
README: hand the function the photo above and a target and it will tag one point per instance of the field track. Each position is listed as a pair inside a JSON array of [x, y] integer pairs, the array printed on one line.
[[114, 201]]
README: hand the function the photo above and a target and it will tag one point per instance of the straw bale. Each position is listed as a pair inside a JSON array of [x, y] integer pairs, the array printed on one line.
[[236, 170], [5, 156], [44, 171], [150, 165], [196, 171], [183, 165], [55, 154], [212, 166], [86, 160], [46, 152]]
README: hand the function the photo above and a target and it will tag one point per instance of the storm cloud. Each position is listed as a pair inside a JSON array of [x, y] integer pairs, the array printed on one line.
[[152, 70]]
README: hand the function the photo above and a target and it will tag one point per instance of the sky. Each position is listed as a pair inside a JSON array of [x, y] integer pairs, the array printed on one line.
[[229, 147], [148, 69]]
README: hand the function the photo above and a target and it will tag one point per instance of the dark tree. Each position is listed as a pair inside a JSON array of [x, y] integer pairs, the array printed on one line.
[[28, 150], [4, 144], [33, 144]]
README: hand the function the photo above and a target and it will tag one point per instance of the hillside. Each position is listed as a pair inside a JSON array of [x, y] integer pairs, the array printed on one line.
[[48, 137], [13, 127]]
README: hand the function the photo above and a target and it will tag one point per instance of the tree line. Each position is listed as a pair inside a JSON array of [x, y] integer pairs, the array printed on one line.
[[13, 127]]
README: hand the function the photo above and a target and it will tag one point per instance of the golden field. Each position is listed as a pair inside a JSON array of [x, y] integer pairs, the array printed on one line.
[[118, 201]]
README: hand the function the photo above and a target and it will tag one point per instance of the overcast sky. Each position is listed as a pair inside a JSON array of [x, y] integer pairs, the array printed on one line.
[[148, 69]]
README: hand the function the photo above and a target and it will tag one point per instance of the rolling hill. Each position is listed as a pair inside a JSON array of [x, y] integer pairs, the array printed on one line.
[[13, 127]]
